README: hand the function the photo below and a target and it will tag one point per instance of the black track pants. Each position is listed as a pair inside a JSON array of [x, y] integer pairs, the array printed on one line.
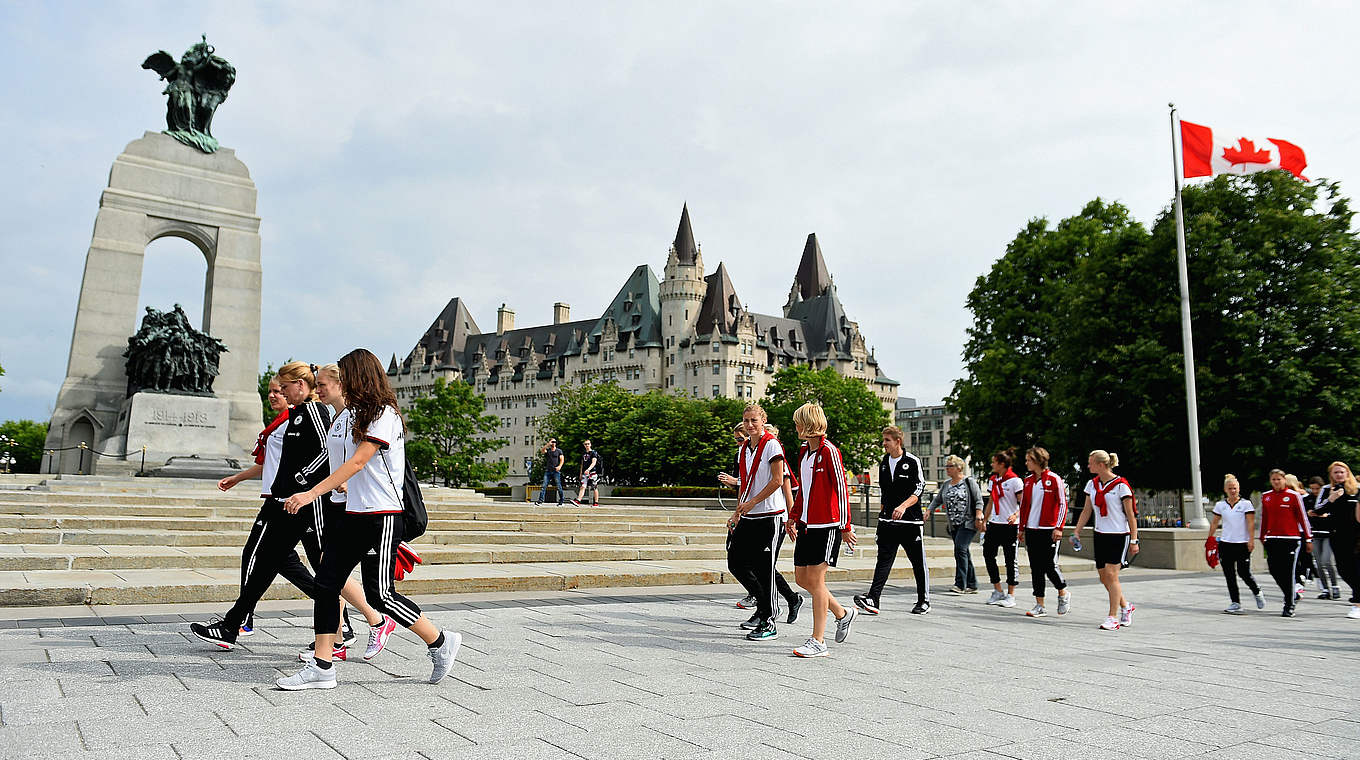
[[890, 536], [1343, 552], [1282, 557], [752, 551], [369, 542], [1000, 536], [269, 552], [1236, 563], [1043, 560]]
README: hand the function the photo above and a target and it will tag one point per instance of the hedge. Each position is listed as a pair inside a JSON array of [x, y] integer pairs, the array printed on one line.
[[691, 492], [494, 491]]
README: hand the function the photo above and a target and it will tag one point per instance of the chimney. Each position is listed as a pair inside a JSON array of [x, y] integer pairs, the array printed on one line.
[[505, 320], [561, 313]]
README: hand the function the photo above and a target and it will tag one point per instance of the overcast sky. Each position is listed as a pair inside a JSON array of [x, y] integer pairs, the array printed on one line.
[[528, 153]]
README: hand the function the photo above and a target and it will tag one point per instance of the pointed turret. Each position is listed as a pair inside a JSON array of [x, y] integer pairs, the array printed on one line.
[[718, 314], [686, 251], [813, 277]]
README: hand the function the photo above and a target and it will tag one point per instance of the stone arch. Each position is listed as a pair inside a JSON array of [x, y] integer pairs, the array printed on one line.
[[82, 428], [161, 188]]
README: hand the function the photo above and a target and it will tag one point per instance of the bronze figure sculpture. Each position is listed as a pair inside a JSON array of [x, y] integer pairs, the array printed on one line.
[[168, 355], [197, 85]]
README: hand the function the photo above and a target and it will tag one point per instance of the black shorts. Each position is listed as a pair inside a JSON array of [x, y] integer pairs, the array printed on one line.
[[816, 546], [1111, 549]]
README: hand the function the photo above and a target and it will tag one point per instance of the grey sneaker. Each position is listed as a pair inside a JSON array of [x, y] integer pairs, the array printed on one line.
[[1260, 601], [1234, 609], [310, 677], [1007, 600], [843, 625], [443, 657], [1065, 603], [995, 597], [811, 648], [747, 603], [1037, 611]]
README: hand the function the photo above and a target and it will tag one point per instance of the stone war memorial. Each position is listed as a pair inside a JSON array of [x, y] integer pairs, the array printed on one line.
[[188, 397]]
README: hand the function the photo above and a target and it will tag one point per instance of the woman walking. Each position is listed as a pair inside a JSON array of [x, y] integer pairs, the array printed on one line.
[[1109, 499], [371, 527], [900, 519], [1284, 533], [1000, 526], [1320, 519], [339, 446], [962, 502], [819, 522], [1236, 543], [1340, 498], [1043, 512], [756, 523], [302, 462]]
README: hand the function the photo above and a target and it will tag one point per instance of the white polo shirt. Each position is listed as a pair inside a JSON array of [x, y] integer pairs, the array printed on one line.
[[1234, 519], [1114, 520], [273, 450], [376, 489], [340, 447], [1009, 501], [758, 476]]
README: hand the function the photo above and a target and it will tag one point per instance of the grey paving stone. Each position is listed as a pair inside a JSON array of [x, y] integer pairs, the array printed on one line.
[[626, 744], [136, 731], [39, 738], [295, 743]]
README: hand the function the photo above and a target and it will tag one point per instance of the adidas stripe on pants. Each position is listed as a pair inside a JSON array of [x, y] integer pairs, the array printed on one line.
[[752, 551], [368, 541], [269, 552]]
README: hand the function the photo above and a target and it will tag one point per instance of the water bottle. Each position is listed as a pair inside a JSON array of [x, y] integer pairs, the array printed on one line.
[[1076, 543]]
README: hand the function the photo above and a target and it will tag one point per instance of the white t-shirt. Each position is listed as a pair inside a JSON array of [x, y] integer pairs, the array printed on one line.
[[340, 447], [376, 489], [273, 450], [1234, 520], [805, 479], [1009, 502], [758, 476], [892, 466], [1036, 503], [1114, 520]]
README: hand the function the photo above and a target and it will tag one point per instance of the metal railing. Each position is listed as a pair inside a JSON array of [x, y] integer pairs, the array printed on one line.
[[93, 454]]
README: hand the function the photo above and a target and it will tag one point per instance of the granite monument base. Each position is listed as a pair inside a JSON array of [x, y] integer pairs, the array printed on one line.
[[173, 426]]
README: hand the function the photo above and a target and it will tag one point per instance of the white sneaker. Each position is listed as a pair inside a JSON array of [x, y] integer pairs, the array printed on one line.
[[996, 597], [1037, 611], [310, 677], [1260, 601], [442, 657], [811, 648], [1110, 624], [1234, 609], [1126, 616], [1353, 613], [1065, 603], [1007, 600]]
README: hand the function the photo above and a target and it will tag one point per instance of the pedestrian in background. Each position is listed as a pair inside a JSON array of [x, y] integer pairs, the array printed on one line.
[[962, 501]]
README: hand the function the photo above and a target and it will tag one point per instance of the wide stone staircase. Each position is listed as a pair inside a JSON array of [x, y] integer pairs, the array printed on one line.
[[95, 540]]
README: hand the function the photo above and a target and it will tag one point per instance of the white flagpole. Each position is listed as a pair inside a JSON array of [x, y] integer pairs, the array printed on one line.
[[1193, 515]]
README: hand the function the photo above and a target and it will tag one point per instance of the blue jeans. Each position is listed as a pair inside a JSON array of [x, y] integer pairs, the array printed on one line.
[[964, 574], [556, 477]]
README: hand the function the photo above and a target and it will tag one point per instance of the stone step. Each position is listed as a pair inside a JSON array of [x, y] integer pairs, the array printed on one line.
[[58, 587]]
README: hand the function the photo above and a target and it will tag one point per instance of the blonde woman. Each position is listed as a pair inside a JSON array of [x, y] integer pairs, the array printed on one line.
[[961, 499], [1340, 499], [756, 525], [1235, 545], [1109, 500], [819, 522]]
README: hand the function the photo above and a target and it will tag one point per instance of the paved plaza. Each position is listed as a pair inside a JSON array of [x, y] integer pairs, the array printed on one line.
[[648, 673]]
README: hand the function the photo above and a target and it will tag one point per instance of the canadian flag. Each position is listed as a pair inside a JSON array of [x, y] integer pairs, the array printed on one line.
[[1213, 151]]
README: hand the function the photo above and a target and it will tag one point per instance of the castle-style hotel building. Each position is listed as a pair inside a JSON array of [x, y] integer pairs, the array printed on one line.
[[686, 333]]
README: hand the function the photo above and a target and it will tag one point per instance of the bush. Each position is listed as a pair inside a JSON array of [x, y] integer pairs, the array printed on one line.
[[682, 492]]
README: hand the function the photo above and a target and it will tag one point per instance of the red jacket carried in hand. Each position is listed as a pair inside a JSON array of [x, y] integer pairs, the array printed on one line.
[[827, 496]]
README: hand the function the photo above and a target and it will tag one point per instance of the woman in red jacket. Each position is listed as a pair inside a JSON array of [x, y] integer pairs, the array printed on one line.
[[1043, 512], [1284, 527], [822, 516]]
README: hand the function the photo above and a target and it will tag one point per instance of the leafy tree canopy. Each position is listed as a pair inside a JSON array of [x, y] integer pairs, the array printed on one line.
[[29, 438], [855, 417], [1076, 344], [450, 434]]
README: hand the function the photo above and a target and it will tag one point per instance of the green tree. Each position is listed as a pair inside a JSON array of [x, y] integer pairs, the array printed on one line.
[[855, 416], [450, 435], [1076, 342], [28, 437]]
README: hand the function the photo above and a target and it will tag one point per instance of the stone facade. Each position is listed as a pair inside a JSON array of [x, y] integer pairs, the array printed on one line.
[[685, 333]]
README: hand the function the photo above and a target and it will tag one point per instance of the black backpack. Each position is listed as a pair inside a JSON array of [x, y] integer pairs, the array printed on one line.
[[414, 518]]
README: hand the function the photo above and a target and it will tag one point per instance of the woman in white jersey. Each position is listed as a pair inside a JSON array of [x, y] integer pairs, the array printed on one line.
[[758, 520], [329, 392], [372, 523], [1109, 499], [1235, 545], [999, 527]]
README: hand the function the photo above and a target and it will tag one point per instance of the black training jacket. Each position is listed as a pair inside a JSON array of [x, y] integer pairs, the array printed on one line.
[[304, 461]]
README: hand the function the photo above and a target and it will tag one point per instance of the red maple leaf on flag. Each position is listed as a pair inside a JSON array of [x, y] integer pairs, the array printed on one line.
[[1246, 153]]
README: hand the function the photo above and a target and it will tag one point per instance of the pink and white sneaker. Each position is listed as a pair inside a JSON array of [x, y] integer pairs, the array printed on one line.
[[1110, 624], [1126, 615], [377, 637]]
